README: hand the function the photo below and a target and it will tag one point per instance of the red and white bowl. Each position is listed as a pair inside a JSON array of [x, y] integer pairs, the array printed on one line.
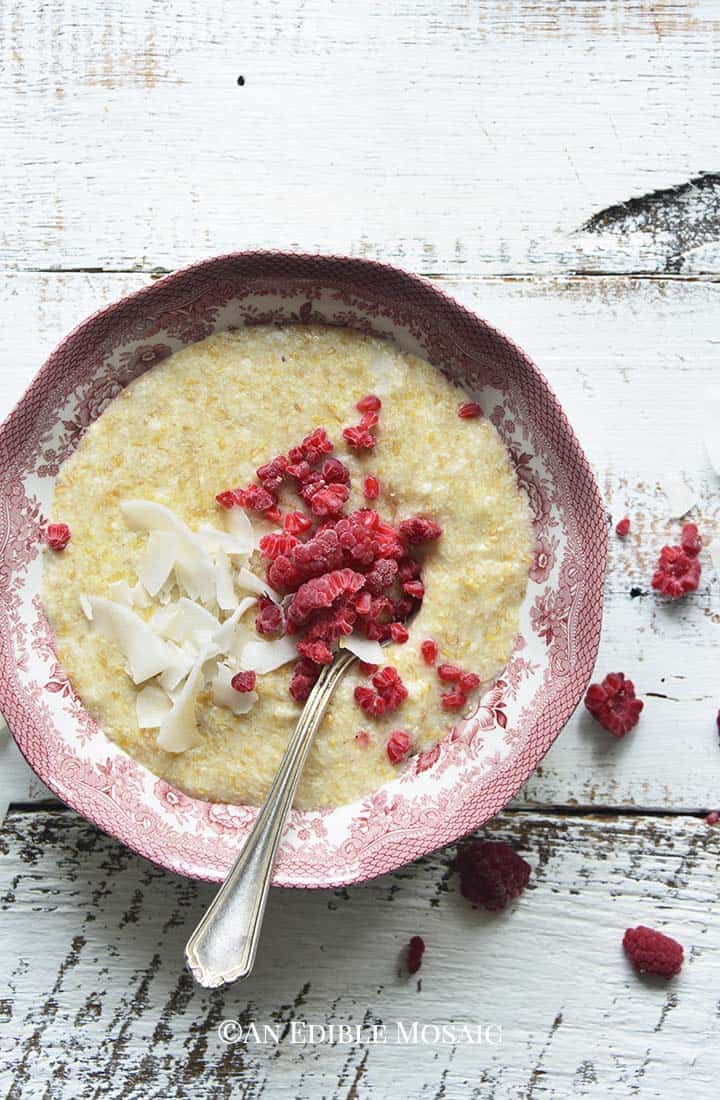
[[442, 794]]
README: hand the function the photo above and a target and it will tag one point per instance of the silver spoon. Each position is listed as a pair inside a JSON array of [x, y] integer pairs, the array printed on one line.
[[222, 948]]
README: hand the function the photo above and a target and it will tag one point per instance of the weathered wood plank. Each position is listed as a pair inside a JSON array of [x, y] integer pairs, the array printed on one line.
[[457, 137], [629, 359], [98, 1000]]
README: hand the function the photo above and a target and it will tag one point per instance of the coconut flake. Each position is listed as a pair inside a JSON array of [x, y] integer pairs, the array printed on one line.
[[178, 730], [251, 583], [226, 599], [264, 657], [193, 565], [121, 592], [176, 672], [158, 560], [146, 653], [680, 496], [186, 622], [86, 606], [225, 695], [364, 648], [140, 597], [151, 706], [214, 540], [224, 636], [239, 526]]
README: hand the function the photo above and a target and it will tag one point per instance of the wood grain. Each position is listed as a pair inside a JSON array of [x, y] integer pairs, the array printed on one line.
[[449, 138], [93, 941], [629, 359]]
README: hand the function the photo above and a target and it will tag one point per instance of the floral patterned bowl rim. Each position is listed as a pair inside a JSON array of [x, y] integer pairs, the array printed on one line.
[[442, 794]]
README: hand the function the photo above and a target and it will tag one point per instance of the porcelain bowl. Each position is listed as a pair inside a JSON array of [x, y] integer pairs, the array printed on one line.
[[442, 794]]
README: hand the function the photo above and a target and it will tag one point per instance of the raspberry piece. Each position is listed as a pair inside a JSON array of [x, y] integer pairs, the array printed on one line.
[[272, 474], [330, 500], [453, 700], [691, 540], [369, 701], [369, 420], [297, 523], [387, 542], [450, 674], [397, 746], [371, 487], [356, 538], [416, 589], [418, 529], [363, 738], [389, 686], [623, 527], [305, 673], [409, 570], [337, 622], [613, 704], [243, 681], [652, 952], [270, 621], [226, 499], [381, 576], [403, 608], [315, 445], [470, 410], [676, 573], [272, 546], [300, 470], [359, 438], [712, 818], [256, 498], [491, 873], [429, 650], [367, 668], [318, 652], [321, 592], [57, 535], [468, 682], [363, 602], [335, 472], [415, 951], [371, 403], [399, 633], [273, 515]]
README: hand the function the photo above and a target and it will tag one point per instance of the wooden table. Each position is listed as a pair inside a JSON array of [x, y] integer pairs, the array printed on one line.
[[548, 164]]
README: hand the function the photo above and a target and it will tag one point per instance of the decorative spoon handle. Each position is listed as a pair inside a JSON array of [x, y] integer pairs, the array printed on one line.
[[222, 947]]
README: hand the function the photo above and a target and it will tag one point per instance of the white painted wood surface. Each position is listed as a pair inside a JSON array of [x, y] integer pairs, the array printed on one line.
[[551, 165]]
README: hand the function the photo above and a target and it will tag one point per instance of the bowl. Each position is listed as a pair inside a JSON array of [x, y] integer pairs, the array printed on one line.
[[443, 794]]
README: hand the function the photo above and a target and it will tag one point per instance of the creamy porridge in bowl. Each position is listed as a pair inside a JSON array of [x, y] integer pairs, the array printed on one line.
[[344, 523], [214, 484]]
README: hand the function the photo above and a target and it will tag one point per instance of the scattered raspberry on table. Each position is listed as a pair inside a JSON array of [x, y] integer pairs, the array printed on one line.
[[652, 952], [491, 873], [415, 952], [614, 705]]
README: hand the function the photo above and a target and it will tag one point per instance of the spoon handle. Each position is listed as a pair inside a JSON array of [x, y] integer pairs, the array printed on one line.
[[222, 947]]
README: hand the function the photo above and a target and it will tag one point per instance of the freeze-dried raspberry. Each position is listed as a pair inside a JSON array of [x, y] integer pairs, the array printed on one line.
[[453, 700], [429, 650], [57, 535], [356, 538], [381, 576], [368, 668], [623, 527], [272, 473], [399, 633], [273, 515], [270, 620], [491, 873], [226, 499], [418, 529], [243, 681], [284, 573], [691, 540], [397, 746], [371, 403], [409, 570], [330, 500], [389, 686], [297, 523], [387, 542], [320, 554], [372, 703], [449, 674], [652, 952], [318, 652], [415, 951], [360, 439], [712, 818], [272, 546], [256, 498], [468, 682], [300, 470], [363, 602], [337, 622], [363, 738], [676, 573], [321, 592], [335, 472], [416, 589], [613, 704], [369, 420], [403, 608], [304, 675], [470, 410], [315, 445], [371, 487]]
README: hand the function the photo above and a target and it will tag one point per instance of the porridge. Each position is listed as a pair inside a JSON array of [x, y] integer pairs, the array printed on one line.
[[193, 617]]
